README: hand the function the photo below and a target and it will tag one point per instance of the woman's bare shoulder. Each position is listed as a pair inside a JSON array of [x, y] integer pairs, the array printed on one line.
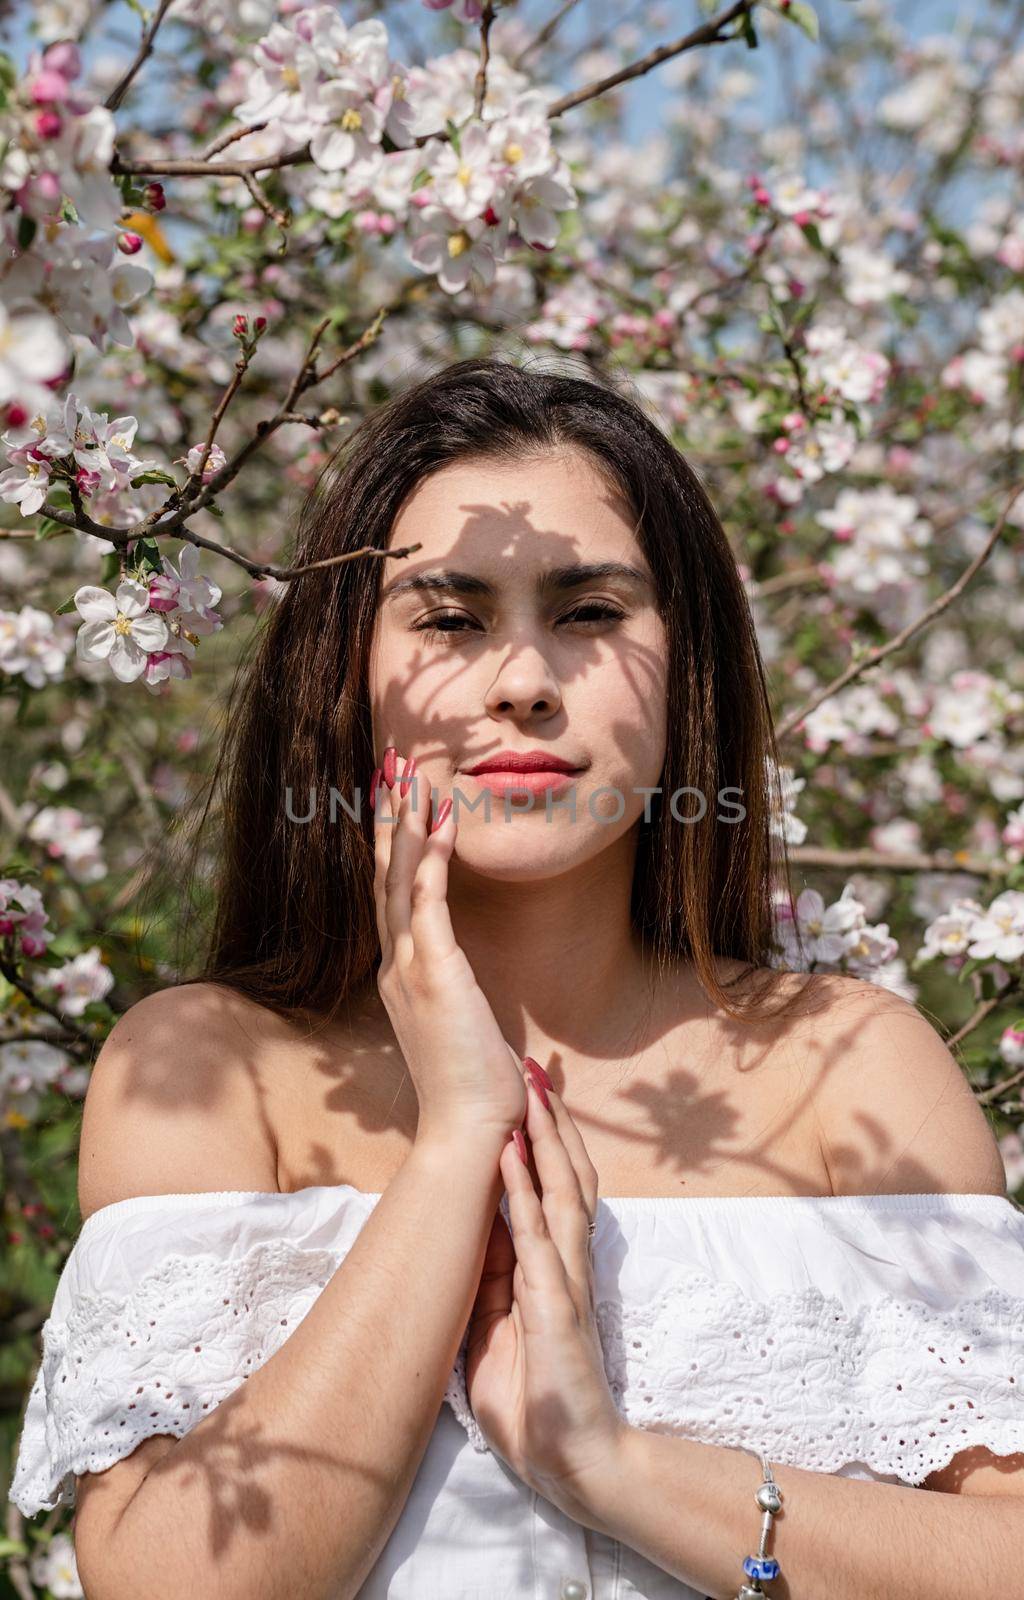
[[174, 1101]]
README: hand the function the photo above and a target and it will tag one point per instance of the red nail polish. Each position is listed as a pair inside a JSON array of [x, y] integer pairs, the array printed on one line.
[[374, 784], [528, 1061], [542, 1092], [520, 1144], [390, 762], [442, 812], [407, 775]]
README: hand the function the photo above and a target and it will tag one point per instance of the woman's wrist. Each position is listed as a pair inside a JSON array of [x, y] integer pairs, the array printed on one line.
[[457, 1148]]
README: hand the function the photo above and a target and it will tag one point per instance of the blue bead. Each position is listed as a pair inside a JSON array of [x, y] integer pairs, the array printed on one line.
[[761, 1567]]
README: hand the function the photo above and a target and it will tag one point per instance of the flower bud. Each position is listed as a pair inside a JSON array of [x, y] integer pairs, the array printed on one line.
[[154, 196], [63, 57], [47, 87], [48, 124], [129, 244], [240, 327]]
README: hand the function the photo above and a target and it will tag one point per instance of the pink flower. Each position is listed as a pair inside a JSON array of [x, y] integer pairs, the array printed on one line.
[[47, 87]]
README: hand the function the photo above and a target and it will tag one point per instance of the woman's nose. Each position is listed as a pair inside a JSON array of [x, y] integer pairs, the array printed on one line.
[[524, 684]]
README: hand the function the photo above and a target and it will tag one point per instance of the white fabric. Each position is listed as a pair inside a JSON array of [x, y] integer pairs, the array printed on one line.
[[873, 1336]]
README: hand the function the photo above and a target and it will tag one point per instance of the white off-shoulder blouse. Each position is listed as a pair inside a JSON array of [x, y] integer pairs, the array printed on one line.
[[873, 1336]]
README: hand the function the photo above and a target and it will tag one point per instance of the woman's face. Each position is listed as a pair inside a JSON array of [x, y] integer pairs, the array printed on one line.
[[511, 648]]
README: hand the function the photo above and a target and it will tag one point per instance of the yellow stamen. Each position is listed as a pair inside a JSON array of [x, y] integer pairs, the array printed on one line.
[[122, 624], [351, 121], [513, 153], [459, 243]]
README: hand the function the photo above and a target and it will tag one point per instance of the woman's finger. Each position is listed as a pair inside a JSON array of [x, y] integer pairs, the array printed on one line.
[[541, 1284], [381, 857], [586, 1172], [562, 1198], [408, 828], [431, 921]]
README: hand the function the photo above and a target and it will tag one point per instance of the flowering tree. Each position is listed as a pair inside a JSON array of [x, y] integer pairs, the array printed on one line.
[[230, 232]]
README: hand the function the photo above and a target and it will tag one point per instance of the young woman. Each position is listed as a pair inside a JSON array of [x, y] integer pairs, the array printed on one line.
[[761, 1222]]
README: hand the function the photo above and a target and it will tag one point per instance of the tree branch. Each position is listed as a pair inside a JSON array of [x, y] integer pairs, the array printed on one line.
[[900, 861]]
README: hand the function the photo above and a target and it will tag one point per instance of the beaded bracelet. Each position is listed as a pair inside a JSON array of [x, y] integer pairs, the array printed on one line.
[[762, 1566]]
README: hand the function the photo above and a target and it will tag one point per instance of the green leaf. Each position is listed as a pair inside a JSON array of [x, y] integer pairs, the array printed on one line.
[[454, 135], [65, 607], [26, 231], [805, 17], [747, 31], [155, 476], [811, 234], [147, 553], [110, 566]]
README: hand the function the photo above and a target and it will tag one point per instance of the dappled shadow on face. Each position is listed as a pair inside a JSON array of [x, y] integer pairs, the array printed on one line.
[[505, 543]]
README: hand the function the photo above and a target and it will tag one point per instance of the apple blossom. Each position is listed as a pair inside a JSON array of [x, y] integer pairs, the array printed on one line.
[[119, 629]]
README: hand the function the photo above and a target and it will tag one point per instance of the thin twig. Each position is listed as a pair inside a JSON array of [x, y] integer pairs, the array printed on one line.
[[709, 32], [231, 137], [480, 85], [120, 89], [982, 1010], [997, 1090], [546, 33]]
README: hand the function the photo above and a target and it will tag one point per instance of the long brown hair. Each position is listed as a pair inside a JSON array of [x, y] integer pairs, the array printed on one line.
[[294, 925]]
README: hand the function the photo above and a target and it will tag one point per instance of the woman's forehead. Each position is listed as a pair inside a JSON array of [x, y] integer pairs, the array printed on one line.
[[543, 513]]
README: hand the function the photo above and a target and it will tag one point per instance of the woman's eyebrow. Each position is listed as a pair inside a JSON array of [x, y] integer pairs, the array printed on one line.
[[555, 579]]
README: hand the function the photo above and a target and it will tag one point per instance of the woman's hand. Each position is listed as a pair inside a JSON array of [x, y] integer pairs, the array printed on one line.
[[534, 1364], [467, 1077]]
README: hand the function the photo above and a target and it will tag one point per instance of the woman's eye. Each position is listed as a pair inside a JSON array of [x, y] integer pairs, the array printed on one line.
[[445, 624], [594, 611]]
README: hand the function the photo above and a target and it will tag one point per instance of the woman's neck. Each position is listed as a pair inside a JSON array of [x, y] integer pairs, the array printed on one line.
[[558, 958]]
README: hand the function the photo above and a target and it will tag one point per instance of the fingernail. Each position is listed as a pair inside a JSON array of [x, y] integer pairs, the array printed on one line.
[[374, 783], [520, 1144], [442, 811], [407, 774], [528, 1061], [390, 761], [543, 1093]]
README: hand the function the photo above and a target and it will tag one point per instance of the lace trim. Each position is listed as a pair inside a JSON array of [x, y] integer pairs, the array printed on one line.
[[116, 1371], [892, 1384]]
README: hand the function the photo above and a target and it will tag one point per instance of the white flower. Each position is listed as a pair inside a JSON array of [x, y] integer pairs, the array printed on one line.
[[951, 932], [792, 194], [31, 352], [998, 934], [870, 275], [454, 250], [67, 834], [465, 180], [80, 981], [120, 630], [26, 482], [824, 930], [54, 1568], [30, 644]]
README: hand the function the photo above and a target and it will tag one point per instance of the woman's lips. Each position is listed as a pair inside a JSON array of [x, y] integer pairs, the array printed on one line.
[[509, 782]]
